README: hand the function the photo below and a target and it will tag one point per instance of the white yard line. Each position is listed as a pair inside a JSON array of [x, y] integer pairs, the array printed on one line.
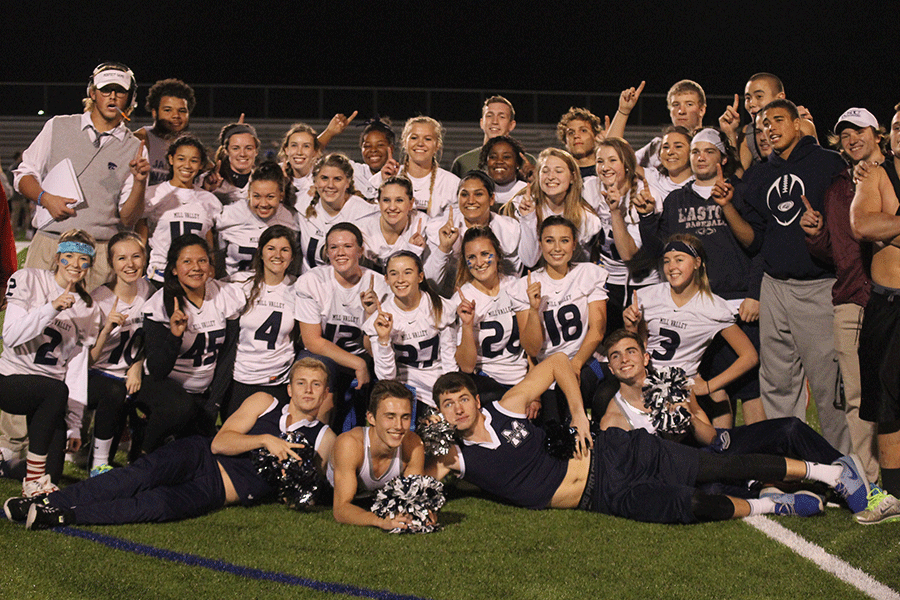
[[825, 561]]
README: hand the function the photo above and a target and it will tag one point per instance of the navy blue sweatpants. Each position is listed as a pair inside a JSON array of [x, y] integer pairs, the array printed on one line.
[[178, 481]]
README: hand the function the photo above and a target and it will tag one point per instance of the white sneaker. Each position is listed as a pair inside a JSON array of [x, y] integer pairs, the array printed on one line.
[[42, 485]]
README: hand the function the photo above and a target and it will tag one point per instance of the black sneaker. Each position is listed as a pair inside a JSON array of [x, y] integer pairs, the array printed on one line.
[[44, 516], [16, 508]]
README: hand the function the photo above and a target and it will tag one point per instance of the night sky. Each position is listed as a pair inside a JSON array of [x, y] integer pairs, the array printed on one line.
[[830, 56]]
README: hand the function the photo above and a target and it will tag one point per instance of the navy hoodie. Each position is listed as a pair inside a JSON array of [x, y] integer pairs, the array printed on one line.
[[773, 197]]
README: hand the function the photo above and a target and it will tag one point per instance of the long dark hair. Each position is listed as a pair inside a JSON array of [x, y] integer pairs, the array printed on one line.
[[259, 270], [564, 222], [437, 305], [171, 286], [187, 139]]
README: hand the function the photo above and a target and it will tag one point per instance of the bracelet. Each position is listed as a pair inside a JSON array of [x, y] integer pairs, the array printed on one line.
[[41, 195], [624, 113]]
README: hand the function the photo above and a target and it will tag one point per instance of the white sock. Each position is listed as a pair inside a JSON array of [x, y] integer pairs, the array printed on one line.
[[101, 452], [761, 506], [827, 474]]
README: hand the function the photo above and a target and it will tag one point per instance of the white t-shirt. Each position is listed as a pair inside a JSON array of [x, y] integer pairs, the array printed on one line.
[[125, 341], [339, 310], [205, 331], [377, 249], [172, 211], [364, 182], [678, 336], [661, 186], [303, 187], [265, 351], [502, 193], [239, 229], [38, 339], [564, 309], [419, 351], [314, 229], [500, 354], [229, 194]]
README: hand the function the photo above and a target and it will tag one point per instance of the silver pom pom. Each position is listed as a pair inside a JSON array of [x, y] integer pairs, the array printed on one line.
[[665, 389], [417, 496], [437, 434]]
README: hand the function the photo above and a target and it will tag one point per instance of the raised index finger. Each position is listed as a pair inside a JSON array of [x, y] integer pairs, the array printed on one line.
[[461, 296], [115, 304], [372, 283], [529, 278], [450, 216], [807, 204], [735, 105], [351, 117], [639, 89], [719, 171], [140, 151], [419, 227]]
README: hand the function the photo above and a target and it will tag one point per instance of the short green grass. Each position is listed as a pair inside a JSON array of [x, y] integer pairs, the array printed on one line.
[[485, 551]]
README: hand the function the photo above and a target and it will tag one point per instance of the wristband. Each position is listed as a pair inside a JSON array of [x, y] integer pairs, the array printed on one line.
[[41, 196]]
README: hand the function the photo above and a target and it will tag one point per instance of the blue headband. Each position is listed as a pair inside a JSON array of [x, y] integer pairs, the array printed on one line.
[[679, 246], [79, 247]]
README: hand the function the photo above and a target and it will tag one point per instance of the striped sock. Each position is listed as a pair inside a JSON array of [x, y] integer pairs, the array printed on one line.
[[36, 466]]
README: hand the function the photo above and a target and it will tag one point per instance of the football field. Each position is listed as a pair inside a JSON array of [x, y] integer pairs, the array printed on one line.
[[486, 550]]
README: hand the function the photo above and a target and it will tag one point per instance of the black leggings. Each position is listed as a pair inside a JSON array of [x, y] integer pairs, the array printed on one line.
[[719, 467], [171, 410], [107, 396], [43, 402]]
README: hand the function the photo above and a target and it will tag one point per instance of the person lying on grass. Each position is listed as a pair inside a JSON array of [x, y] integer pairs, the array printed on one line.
[[630, 474], [366, 458], [193, 476], [788, 436]]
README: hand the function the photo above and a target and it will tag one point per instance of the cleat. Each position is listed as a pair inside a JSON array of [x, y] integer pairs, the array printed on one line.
[[801, 504], [882, 508], [16, 509], [101, 469], [38, 487], [852, 485], [44, 516]]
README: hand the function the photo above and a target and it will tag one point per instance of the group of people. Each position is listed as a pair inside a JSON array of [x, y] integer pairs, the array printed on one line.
[[510, 296]]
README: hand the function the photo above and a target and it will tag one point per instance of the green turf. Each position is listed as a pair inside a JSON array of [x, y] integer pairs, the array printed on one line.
[[486, 551]]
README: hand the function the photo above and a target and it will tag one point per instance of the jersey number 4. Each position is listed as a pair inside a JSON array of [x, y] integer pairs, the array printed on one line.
[[200, 349]]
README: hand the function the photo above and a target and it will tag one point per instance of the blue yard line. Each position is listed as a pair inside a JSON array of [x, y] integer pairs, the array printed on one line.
[[226, 567]]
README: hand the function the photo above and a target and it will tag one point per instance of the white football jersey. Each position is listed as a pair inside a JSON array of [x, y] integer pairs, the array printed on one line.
[[377, 249], [303, 187], [500, 354], [265, 351], [170, 212], [678, 336], [50, 338], [363, 180], [205, 331], [314, 229], [419, 351], [239, 229], [440, 268], [339, 310], [125, 341], [229, 194], [565, 306], [610, 258]]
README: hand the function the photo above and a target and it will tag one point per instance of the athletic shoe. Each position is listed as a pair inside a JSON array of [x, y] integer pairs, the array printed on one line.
[[41, 485], [852, 484], [101, 469], [43, 516], [882, 508], [801, 504], [16, 509]]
